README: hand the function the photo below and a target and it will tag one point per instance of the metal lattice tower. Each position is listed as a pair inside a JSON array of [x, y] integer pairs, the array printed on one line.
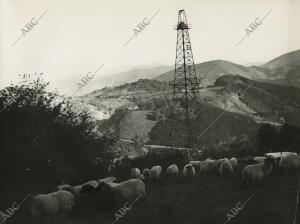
[[186, 84]]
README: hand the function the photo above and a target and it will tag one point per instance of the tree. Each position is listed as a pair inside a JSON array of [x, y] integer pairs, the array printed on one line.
[[44, 140]]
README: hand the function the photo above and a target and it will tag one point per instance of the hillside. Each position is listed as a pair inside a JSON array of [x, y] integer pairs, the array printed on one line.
[[145, 104], [212, 70], [243, 103], [283, 70], [127, 76], [275, 102], [229, 89], [108, 99], [290, 59]]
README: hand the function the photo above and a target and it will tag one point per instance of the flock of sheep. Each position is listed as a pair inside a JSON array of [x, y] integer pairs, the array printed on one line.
[[107, 192]]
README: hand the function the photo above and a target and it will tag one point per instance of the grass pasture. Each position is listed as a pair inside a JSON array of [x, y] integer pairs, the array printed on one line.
[[206, 200]]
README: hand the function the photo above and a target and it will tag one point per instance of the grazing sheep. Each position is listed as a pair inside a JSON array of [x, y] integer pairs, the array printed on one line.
[[62, 186], [120, 193], [279, 154], [92, 183], [226, 168], [259, 159], [146, 173], [89, 187], [47, 206], [107, 180], [75, 190], [211, 160], [155, 172], [257, 172], [135, 173], [276, 163], [142, 177], [188, 172], [172, 171], [234, 163], [91, 197], [195, 164], [289, 162], [219, 162], [208, 166]]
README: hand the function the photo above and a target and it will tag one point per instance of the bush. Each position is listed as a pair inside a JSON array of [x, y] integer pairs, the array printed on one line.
[[45, 140]]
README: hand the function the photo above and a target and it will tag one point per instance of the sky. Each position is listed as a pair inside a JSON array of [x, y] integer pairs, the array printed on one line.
[[74, 37]]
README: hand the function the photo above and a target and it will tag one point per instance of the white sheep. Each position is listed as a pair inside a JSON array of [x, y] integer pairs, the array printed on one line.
[[142, 177], [219, 162], [188, 172], [92, 183], [234, 163], [226, 168], [91, 194], [76, 190], [107, 180], [195, 164], [257, 172], [172, 171], [155, 172], [62, 186], [259, 159], [49, 205], [135, 173], [120, 193], [146, 173], [212, 160], [289, 162], [208, 166]]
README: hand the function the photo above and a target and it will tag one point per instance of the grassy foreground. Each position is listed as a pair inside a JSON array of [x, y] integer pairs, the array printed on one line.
[[205, 200]]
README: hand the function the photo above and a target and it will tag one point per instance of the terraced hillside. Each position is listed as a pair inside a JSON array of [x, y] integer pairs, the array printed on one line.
[[242, 103]]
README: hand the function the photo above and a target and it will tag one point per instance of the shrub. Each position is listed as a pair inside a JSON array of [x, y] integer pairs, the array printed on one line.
[[44, 140]]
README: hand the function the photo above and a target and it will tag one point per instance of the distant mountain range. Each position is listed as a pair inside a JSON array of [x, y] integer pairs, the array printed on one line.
[[249, 96], [212, 70], [131, 75], [284, 70]]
